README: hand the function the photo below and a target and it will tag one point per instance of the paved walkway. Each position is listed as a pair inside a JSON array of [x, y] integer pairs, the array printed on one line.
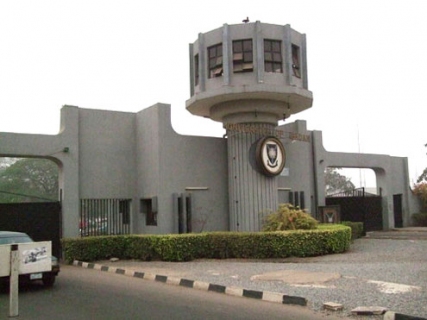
[[400, 233]]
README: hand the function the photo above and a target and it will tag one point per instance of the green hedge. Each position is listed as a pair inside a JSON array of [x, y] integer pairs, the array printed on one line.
[[357, 229], [214, 245]]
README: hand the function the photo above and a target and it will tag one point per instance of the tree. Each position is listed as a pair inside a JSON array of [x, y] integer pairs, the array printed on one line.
[[423, 176], [28, 180], [335, 182], [420, 189]]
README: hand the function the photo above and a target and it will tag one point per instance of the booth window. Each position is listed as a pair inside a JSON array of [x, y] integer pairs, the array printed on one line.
[[124, 209], [215, 61], [296, 61], [273, 56], [242, 56], [150, 211]]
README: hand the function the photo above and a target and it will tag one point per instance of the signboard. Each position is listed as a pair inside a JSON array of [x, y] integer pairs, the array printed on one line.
[[330, 214], [33, 257], [23, 258], [253, 128]]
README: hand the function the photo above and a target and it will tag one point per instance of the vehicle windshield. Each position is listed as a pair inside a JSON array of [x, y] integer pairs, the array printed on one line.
[[15, 239]]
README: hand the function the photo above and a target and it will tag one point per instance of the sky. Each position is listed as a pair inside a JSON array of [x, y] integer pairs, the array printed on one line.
[[367, 65]]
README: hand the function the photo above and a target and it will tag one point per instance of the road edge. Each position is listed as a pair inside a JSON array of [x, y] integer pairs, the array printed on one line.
[[205, 286]]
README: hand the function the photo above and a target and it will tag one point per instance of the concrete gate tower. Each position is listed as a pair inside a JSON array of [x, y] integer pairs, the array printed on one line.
[[249, 76]]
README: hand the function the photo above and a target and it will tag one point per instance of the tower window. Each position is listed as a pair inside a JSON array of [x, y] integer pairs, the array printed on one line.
[[273, 56], [215, 60], [196, 69], [242, 56], [296, 61]]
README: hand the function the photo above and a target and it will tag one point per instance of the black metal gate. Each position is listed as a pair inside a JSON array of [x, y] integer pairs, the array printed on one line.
[[359, 206], [40, 220]]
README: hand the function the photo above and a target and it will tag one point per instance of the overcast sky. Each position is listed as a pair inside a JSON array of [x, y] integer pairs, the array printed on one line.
[[367, 65]]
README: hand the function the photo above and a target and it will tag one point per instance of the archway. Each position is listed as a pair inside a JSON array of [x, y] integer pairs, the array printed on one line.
[[30, 199]]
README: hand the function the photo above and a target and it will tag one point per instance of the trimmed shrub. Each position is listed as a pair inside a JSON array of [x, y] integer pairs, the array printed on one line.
[[183, 247], [214, 245], [288, 217], [142, 247], [357, 229], [93, 248]]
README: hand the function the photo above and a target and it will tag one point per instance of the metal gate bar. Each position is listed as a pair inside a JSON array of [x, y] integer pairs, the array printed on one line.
[[104, 217]]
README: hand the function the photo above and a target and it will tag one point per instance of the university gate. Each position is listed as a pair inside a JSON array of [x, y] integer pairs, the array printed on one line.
[[40, 220], [359, 206]]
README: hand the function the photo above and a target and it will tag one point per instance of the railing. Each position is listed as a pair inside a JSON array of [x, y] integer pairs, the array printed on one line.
[[359, 192], [104, 217]]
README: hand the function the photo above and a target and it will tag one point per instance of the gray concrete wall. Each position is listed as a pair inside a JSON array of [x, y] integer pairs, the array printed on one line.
[[107, 154], [171, 163], [299, 166]]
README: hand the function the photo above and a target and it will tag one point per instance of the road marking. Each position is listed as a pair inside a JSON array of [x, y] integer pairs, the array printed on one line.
[[319, 286], [394, 288]]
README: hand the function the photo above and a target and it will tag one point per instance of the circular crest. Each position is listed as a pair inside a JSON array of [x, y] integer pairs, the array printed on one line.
[[270, 156]]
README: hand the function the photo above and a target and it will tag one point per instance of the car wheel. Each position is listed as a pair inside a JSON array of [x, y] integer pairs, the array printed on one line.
[[48, 279]]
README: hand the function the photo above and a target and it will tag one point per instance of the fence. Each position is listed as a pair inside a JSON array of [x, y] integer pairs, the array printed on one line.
[[104, 217]]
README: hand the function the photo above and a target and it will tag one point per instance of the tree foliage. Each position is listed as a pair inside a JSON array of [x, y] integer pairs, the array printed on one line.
[[27, 180], [420, 190], [335, 182], [423, 176]]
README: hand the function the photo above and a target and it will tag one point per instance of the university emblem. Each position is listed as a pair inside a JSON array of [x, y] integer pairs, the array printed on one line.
[[270, 156]]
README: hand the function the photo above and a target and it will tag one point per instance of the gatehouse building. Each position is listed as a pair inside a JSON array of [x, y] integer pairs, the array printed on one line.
[[125, 172]]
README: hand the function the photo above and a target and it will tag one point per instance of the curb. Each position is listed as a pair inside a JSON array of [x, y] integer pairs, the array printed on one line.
[[205, 286], [389, 315]]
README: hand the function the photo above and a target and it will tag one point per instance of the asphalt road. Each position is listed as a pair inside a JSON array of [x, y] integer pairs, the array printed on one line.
[[89, 294]]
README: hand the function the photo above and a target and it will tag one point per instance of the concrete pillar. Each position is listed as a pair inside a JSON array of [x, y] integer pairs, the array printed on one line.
[[252, 195]]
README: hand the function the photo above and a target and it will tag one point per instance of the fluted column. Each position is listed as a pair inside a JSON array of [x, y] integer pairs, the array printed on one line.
[[252, 195]]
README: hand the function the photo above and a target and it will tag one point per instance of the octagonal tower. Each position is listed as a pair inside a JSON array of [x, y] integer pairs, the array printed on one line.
[[249, 76]]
